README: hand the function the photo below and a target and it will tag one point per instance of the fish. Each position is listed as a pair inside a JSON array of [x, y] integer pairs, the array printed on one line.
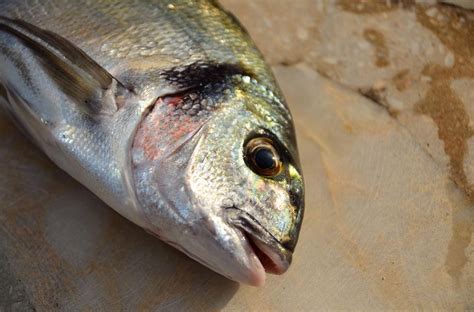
[[167, 111]]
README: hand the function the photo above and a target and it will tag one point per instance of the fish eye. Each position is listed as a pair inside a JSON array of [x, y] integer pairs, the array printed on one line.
[[262, 157]]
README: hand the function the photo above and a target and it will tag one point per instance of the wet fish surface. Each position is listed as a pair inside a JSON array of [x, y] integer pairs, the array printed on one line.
[[166, 111]]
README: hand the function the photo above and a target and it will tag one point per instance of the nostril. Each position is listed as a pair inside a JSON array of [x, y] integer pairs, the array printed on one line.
[[294, 200], [295, 197]]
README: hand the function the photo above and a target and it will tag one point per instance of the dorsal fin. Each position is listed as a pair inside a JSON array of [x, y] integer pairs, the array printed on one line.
[[91, 87]]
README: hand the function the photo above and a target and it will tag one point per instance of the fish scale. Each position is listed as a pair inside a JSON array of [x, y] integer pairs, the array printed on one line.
[[163, 109], [199, 27]]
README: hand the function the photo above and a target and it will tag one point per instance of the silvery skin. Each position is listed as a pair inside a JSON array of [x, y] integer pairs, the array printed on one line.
[[168, 113]]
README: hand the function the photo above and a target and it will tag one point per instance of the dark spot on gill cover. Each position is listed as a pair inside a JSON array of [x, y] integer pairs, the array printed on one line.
[[202, 73], [448, 112]]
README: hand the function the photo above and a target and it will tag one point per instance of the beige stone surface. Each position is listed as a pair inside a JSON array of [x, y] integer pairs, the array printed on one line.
[[382, 96], [404, 55]]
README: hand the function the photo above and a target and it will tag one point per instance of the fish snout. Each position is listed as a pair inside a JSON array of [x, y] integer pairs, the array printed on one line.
[[296, 196], [274, 257]]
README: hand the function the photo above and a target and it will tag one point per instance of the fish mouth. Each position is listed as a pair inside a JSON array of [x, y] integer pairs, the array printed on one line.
[[270, 257], [273, 257]]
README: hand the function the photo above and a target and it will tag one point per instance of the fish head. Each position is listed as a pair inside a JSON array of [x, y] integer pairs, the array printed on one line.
[[235, 188]]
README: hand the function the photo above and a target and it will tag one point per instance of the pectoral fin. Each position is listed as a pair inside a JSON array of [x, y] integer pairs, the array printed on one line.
[[86, 83]]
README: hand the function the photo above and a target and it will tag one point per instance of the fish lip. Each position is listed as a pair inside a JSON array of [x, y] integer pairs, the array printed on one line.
[[274, 258]]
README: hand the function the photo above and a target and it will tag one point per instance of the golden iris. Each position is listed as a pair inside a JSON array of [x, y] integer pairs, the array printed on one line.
[[263, 158]]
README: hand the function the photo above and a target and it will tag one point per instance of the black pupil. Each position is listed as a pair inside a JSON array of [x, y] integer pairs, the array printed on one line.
[[264, 158]]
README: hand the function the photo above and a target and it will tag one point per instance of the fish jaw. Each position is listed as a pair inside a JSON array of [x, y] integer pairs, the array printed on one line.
[[234, 256], [273, 256], [243, 251], [222, 247]]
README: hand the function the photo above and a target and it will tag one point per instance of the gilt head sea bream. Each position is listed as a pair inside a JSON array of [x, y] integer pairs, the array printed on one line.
[[168, 113]]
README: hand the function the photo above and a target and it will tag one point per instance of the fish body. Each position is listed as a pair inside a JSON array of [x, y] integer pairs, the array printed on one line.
[[168, 113]]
